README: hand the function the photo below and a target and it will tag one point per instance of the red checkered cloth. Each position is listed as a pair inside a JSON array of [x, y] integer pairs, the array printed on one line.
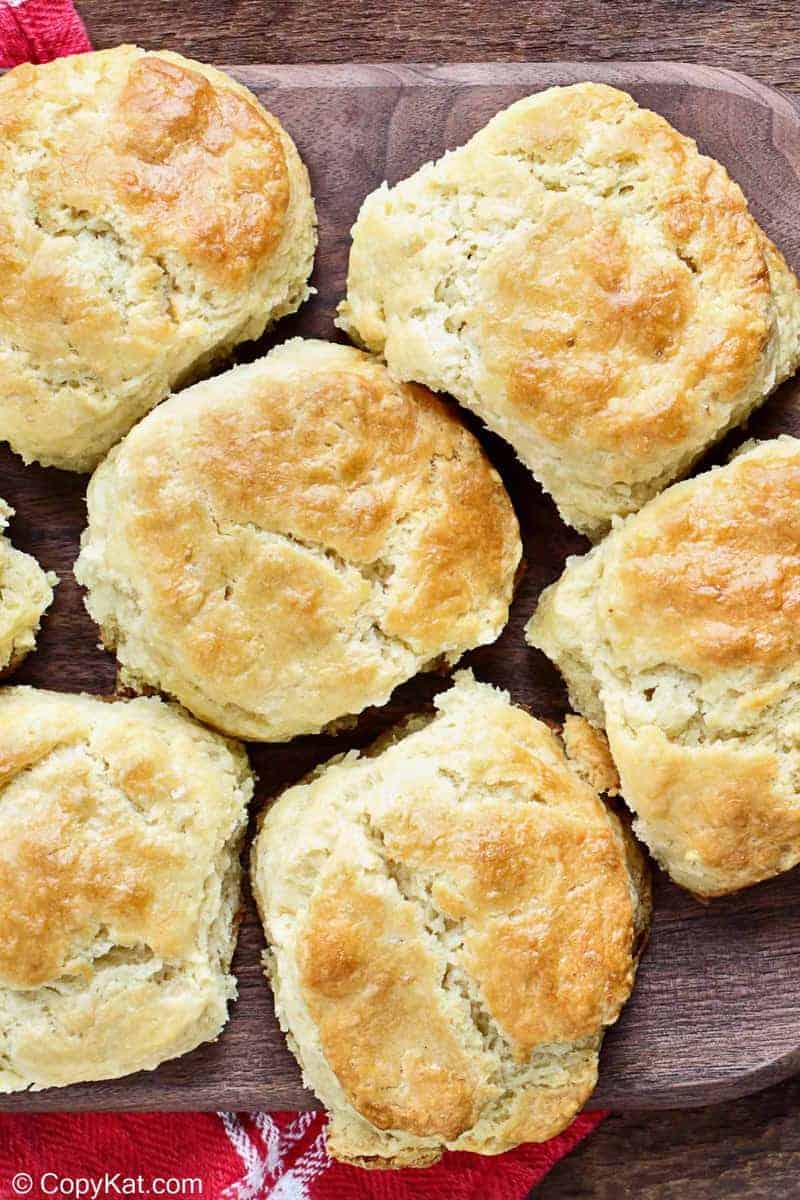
[[247, 1156], [216, 1156]]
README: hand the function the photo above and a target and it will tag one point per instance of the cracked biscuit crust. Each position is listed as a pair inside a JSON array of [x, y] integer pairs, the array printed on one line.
[[119, 885], [283, 545], [152, 216], [453, 920], [589, 284], [26, 591], [679, 634]]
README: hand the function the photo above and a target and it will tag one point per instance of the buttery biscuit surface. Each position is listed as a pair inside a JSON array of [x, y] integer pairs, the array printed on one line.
[[26, 591], [586, 281], [283, 545], [679, 635], [152, 216], [119, 885], [453, 920]]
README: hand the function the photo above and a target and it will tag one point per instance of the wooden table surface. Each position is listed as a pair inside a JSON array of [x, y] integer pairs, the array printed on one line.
[[748, 1149]]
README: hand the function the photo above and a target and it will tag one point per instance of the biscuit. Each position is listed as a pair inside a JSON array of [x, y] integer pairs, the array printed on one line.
[[590, 285], [453, 920], [152, 216], [26, 591], [680, 635], [119, 885], [282, 545]]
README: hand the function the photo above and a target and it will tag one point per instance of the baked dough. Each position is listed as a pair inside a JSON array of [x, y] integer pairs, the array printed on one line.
[[453, 919], [152, 216], [589, 284], [680, 634], [282, 545], [119, 885], [26, 591]]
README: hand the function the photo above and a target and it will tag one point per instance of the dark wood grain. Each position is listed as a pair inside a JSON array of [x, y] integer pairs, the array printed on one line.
[[715, 1013], [756, 36], [748, 1149]]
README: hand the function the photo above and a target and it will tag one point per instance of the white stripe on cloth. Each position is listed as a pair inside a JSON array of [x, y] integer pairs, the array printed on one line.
[[272, 1141], [266, 1175], [255, 1168]]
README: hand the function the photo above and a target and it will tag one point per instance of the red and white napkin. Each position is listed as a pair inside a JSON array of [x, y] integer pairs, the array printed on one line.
[[224, 1156], [243, 1156]]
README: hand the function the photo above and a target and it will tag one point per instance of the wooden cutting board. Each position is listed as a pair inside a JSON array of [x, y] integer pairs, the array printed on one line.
[[716, 1012]]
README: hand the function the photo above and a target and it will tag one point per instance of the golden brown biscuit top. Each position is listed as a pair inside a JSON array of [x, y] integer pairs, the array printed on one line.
[[282, 520], [201, 166], [143, 204], [192, 161], [334, 457], [368, 979], [633, 289], [588, 283], [112, 816], [718, 815], [707, 577], [471, 904]]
